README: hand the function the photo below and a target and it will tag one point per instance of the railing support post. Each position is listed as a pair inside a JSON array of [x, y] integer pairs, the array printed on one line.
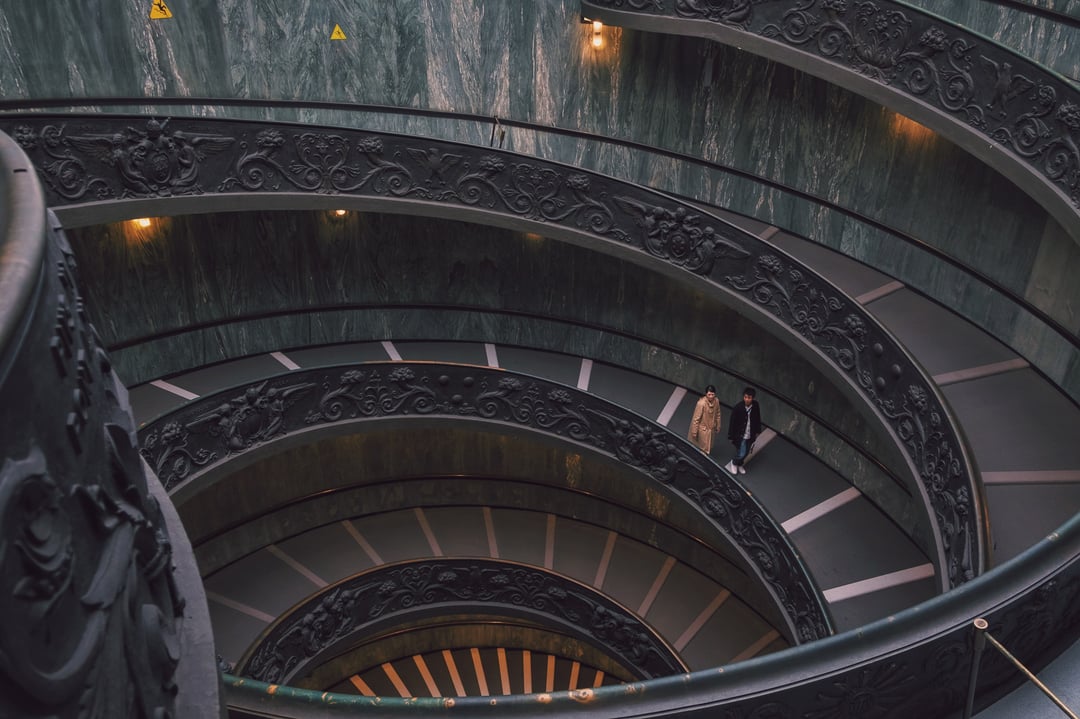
[[978, 644]]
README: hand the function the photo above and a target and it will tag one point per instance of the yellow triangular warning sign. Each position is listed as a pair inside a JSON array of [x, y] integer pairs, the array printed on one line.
[[159, 10], [337, 34]]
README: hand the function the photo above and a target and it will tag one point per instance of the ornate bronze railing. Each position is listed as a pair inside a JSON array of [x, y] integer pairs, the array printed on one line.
[[88, 596], [199, 437], [915, 663], [1014, 114], [95, 162], [191, 105], [329, 622]]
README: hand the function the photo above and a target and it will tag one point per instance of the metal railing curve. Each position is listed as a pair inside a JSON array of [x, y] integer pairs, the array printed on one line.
[[332, 621], [202, 436], [188, 164], [1011, 112], [915, 663]]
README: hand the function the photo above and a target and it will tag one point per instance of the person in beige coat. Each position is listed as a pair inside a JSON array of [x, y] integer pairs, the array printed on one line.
[[706, 422]]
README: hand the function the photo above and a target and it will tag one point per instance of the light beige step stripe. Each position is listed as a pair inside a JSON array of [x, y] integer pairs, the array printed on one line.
[[877, 293], [1043, 476], [700, 620], [295, 564], [986, 370], [754, 649], [875, 584], [673, 403], [819, 510], [285, 361], [455, 676], [240, 607], [661, 577], [364, 545], [173, 389], [425, 673]]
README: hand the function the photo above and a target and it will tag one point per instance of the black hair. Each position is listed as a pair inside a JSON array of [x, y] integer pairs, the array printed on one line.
[[710, 388], [750, 391]]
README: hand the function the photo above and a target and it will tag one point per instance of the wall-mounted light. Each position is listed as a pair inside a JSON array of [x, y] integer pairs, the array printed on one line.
[[596, 32], [341, 213], [142, 230]]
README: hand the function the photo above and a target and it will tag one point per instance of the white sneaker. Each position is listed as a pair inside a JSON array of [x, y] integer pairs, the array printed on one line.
[[730, 467], [742, 469]]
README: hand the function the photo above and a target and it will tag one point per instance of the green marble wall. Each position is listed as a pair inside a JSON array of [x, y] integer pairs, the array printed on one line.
[[201, 289], [531, 61], [1051, 43]]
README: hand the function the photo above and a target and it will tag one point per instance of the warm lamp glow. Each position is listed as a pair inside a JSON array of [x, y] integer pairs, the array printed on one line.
[[142, 230], [597, 33], [909, 129], [341, 213], [597, 26]]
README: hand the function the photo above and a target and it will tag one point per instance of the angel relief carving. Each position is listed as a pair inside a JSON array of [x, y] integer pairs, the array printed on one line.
[[155, 161]]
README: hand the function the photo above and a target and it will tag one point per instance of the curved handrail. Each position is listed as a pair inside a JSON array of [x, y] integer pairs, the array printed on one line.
[[799, 407], [362, 108], [23, 239], [111, 159], [394, 594], [205, 433], [915, 663], [1014, 114], [87, 585]]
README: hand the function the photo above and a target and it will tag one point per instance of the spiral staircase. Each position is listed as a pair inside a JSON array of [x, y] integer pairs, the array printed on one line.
[[411, 404]]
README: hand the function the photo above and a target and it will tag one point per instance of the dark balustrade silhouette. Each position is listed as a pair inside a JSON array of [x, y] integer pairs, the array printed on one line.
[[108, 159], [201, 436], [998, 103], [344, 613]]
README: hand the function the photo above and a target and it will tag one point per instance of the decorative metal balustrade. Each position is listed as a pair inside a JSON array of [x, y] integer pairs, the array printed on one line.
[[91, 615], [916, 663], [198, 437], [1016, 115], [333, 619], [102, 160]]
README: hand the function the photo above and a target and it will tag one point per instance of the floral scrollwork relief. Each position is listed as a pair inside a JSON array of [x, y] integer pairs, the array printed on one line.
[[1017, 103], [736, 13], [831, 324], [316, 162], [482, 585], [213, 429], [61, 169], [257, 157], [677, 236], [167, 452]]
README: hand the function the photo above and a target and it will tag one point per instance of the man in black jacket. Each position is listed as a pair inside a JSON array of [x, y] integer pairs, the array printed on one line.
[[743, 429]]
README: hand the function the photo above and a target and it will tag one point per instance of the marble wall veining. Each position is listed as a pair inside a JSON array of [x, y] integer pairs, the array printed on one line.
[[531, 61], [1052, 43], [200, 289]]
